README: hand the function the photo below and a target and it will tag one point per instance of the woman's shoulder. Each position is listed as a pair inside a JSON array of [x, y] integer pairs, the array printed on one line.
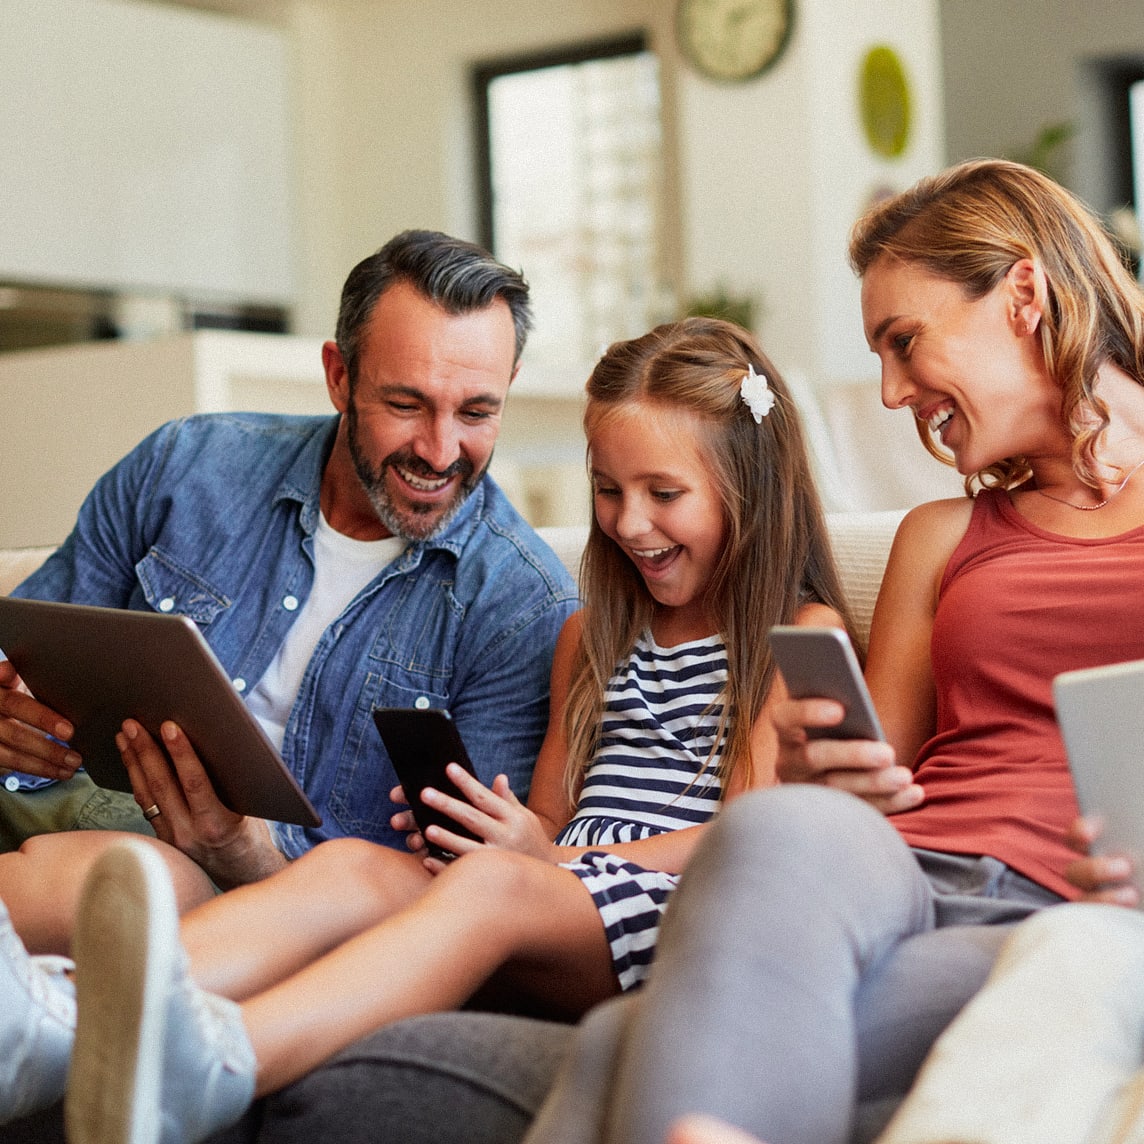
[[936, 526], [926, 539], [938, 514]]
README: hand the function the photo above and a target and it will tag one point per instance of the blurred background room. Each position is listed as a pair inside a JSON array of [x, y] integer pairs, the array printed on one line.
[[186, 184]]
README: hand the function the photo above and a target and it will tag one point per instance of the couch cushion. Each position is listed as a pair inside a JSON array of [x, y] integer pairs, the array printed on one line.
[[861, 542], [18, 563]]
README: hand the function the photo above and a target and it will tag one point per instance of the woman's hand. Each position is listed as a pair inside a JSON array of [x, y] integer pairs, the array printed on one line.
[[1106, 878], [862, 767], [494, 814]]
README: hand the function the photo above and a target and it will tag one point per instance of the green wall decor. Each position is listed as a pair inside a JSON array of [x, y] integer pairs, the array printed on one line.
[[884, 102]]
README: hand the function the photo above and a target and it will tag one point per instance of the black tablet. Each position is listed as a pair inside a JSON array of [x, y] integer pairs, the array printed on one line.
[[99, 666]]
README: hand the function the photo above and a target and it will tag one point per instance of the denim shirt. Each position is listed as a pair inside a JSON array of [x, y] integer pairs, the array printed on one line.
[[213, 517]]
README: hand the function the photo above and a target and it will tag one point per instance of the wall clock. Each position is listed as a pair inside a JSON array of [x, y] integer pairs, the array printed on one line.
[[733, 40]]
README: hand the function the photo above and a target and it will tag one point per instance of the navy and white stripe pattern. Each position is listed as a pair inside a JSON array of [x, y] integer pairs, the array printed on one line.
[[653, 772]]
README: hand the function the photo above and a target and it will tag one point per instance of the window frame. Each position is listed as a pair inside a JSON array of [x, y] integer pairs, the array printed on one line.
[[483, 75]]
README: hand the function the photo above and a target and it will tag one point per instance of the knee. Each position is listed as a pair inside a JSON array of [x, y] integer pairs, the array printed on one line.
[[41, 882], [366, 869], [348, 857], [797, 818], [501, 874]]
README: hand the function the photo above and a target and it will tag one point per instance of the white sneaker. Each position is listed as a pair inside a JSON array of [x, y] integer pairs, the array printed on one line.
[[156, 1058], [37, 1026]]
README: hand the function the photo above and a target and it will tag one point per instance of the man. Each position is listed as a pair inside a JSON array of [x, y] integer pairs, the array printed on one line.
[[333, 564]]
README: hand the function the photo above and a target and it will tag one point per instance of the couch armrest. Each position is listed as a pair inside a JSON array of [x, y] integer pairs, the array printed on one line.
[[861, 543], [18, 563]]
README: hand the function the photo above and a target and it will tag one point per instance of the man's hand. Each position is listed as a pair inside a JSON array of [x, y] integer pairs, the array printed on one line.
[[231, 848], [862, 767], [1104, 878], [25, 727]]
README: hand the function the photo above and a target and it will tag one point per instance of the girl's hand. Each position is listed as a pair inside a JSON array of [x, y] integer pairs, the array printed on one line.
[[861, 766], [495, 814], [1106, 878], [403, 820]]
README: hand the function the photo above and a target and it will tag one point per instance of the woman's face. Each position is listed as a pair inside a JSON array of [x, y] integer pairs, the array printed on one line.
[[972, 369]]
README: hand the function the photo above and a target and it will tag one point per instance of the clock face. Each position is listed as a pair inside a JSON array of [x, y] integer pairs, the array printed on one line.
[[733, 39]]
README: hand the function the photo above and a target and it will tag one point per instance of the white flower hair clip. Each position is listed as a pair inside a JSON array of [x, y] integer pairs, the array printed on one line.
[[757, 394]]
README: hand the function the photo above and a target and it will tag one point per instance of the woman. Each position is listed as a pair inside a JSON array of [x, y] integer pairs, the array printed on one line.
[[815, 948]]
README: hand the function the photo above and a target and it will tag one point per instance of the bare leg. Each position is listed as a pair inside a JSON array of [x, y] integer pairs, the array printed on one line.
[[41, 882], [242, 942], [490, 909]]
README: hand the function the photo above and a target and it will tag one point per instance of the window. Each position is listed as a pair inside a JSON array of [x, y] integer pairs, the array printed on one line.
[[572, 185]]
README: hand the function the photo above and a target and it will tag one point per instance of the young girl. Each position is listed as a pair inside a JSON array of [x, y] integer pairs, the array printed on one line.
[[707, 530]]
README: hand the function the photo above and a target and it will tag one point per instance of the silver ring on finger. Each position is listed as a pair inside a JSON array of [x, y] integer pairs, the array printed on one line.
[[152, 811]]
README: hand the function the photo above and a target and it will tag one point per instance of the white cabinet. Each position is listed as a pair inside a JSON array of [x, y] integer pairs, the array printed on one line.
[[68, 414]]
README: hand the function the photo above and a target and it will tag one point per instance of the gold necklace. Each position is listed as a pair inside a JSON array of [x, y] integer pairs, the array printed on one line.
[[1093, 507]]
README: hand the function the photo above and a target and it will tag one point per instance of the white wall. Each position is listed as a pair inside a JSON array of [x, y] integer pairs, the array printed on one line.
[[1013, 66], [145, 149], [776, 171], [766, 176]]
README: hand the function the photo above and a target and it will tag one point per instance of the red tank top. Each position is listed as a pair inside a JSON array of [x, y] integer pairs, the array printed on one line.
[[1016, 606]]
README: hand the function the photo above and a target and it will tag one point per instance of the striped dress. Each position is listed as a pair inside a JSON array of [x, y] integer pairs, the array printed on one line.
[[653, 772]]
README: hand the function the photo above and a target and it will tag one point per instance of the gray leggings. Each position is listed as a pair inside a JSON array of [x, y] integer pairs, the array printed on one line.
[[806, 964]]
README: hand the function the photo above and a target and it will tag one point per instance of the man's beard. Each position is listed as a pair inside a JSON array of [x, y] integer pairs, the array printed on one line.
[[413, 521]]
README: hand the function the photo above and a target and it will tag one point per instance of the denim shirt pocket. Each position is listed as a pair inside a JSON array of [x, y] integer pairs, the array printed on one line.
[[408, 662], [168, 586], [359, 797]]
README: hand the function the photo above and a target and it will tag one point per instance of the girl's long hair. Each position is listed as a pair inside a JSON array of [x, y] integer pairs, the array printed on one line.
[[969, 225], [777, 554]]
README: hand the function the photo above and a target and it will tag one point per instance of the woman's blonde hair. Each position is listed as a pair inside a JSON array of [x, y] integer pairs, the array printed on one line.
[[969, 225], [777, 553]]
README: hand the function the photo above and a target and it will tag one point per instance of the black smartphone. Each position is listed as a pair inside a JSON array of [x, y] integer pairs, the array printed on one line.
[[821, 662], [421, 742]]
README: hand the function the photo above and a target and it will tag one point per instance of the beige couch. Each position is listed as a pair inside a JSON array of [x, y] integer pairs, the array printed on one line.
[[16, 563]]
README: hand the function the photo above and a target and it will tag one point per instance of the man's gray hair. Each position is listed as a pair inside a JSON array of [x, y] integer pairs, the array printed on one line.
[[458, 276]]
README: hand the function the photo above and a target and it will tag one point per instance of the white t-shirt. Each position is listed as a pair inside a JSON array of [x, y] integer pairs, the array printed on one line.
[[342, 568]]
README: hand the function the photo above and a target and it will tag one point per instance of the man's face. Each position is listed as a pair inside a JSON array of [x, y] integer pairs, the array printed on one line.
[[423, 415]]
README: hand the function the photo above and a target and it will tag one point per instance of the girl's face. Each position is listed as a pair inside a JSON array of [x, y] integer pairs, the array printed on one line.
[[655, 497], [973, 369]]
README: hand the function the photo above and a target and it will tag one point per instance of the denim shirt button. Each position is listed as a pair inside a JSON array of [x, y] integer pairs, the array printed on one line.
[[421, 702], [12, 783], [166, 604], [290, 603], [240, 685]]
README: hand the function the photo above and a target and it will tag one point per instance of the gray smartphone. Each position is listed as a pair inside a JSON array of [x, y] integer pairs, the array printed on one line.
[[421, 743], [821, 662]]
